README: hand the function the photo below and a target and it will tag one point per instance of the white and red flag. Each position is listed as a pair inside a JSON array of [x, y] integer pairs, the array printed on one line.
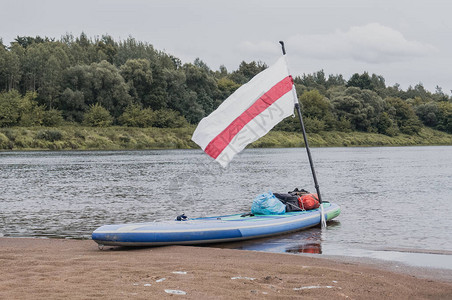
[[248, 114]]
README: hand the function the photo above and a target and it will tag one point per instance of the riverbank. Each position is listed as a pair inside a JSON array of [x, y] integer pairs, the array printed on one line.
[[77, 269], [128, 138]]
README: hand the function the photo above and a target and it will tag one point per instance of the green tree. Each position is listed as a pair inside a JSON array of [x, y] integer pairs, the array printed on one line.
[[109, 88], [78, 92], [16, 110], [52, 117], [133, 49], [404, 116], [361, 107], [439, 95], [246, 71], [77, 49], [137, 73], [317, 107], [72, 103], [418, 91], [106, 48], [360, 81], [97, 116], [335, 80], [314, 125], [31, 114], [385, 125], [50, 86], [378, 82], [167, 118], [227, 87], [315, 81], [33, 65], [98, 83], [344, 124], [180, 97], [135, 116], [10, 71], [158, 96], [9, 108], [26, 41], [445, 116], [204, 85], [428, 113]]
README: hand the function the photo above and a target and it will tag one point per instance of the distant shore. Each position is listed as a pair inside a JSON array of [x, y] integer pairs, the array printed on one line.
[[131, 138], [77, 269]]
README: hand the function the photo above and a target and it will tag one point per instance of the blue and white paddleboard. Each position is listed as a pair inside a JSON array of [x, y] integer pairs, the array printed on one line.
[[211, 229]]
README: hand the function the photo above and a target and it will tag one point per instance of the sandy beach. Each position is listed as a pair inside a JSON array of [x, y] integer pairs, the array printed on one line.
[[77, 269]]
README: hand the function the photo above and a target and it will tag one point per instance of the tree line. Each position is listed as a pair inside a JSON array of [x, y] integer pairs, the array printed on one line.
[[102, 82]]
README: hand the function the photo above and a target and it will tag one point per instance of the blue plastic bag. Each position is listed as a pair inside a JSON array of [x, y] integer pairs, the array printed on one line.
[[267, 204]]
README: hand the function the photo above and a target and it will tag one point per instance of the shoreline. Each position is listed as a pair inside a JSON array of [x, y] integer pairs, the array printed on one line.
[[424, 263], [429, 273], [58, 268], [132, 138]]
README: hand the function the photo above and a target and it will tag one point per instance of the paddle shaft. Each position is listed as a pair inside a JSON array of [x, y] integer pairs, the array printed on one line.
[[300, 117], [316, 184]]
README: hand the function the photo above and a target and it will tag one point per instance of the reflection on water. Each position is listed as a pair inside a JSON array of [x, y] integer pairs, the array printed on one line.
[[305, 241], [310, 242], [313, 248]]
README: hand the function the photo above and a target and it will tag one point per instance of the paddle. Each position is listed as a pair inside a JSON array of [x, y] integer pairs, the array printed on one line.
[[300, 117]]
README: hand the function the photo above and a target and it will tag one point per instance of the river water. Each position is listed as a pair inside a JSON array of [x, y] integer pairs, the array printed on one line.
[[394, 200]]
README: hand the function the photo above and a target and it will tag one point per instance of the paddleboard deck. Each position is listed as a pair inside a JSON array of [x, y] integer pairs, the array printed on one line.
[[210, 229]]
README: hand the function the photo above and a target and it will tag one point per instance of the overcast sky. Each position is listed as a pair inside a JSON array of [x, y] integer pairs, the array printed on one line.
[[406, 41]]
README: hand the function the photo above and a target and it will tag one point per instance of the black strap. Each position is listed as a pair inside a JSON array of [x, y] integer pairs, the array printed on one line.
[[247, 215], [182, 217]]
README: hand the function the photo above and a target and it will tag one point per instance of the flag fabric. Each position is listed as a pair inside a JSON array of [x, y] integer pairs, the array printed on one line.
[[248, 114]]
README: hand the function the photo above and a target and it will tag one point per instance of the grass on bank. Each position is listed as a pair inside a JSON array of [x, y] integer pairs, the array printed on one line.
[[94, 138], [128, 138]]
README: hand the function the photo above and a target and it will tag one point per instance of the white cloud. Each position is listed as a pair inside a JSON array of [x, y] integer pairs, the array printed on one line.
[[371, 43]]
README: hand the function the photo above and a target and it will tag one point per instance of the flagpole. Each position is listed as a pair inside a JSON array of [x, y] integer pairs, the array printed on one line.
[[300, 117]]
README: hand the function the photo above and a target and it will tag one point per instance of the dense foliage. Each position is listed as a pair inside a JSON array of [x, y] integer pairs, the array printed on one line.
[[101, 82]]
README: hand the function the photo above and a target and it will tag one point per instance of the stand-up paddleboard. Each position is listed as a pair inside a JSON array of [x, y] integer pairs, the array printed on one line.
[[210, 229], [241, 119]]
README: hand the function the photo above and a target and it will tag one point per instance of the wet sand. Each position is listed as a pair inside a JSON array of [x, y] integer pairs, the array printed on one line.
[[75, 269]]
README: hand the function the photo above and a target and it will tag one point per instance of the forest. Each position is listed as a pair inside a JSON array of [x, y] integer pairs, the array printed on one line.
[[100, 82]]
